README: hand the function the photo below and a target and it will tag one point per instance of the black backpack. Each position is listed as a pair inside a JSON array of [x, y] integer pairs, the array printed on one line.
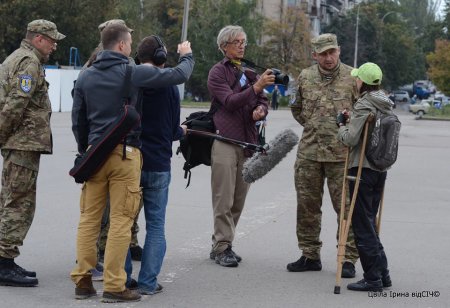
[[382, 146], [196, 149]]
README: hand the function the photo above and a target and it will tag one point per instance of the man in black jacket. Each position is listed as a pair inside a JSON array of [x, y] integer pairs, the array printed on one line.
[[97, 102]]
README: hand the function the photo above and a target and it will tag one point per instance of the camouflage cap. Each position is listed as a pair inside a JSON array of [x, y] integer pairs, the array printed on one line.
[[45, 27], [324, 42], [113, 22]]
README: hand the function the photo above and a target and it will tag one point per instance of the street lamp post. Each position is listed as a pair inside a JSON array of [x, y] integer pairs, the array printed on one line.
[[184, 38], [380, 47], [355, 59]]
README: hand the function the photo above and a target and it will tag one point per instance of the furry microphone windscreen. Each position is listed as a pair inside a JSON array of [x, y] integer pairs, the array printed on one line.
[[260, 164]]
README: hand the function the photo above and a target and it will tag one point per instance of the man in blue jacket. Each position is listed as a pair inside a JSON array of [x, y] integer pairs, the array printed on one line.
[[97, 102]]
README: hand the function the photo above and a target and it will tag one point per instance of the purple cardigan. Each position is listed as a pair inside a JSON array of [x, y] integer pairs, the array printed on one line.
[[235, 103]]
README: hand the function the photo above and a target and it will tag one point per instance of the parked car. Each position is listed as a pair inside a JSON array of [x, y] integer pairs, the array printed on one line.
[[420, 108], [445, 100], [422, 93], [401, 96]]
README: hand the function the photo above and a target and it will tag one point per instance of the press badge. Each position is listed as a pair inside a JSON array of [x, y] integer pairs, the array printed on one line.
[[243, 80], [25, 83]]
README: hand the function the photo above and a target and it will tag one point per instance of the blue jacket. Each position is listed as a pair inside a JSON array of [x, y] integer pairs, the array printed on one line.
[[160, 126]]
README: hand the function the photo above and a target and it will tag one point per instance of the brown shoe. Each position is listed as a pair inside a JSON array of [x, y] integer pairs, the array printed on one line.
[[84, 288], [126, 295]]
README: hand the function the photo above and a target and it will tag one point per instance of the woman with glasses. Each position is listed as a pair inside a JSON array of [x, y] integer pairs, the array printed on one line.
[[239, 102]]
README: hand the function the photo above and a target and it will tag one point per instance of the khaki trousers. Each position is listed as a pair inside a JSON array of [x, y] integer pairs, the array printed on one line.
[[120, 179], [228, 192]]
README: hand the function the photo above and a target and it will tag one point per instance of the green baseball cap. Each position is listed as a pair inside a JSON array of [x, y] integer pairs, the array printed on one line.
[[45, 27], [324, 42], [369, 73]]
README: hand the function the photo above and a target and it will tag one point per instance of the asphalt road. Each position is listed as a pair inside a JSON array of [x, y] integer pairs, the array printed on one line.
[[414, 231]]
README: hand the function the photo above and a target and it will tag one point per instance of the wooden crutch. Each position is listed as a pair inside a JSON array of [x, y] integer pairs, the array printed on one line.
[[344, 224]]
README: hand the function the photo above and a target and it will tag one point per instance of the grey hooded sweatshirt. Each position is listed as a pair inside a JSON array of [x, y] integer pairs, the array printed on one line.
[[98, 99], [351, 135]]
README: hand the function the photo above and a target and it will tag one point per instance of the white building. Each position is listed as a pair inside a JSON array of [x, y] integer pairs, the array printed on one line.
[[320, 12]]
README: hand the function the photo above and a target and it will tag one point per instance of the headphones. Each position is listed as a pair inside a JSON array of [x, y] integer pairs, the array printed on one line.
[[160, 54]]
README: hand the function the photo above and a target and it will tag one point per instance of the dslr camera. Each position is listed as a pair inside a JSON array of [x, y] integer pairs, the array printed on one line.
[[280, 78]]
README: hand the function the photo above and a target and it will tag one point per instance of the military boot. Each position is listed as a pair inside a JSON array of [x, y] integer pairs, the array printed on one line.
[[84, 288], [304, 264], [9, 276], [23, 271]]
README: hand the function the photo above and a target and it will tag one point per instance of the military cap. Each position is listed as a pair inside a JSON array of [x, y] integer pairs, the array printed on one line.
[[113, 22], [45, 27], [324, 42]]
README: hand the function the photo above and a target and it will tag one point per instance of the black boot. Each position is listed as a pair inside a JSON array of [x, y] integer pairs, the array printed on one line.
[[23, 271], [9, 263], [9, 276], [348, 270], [304, 264]]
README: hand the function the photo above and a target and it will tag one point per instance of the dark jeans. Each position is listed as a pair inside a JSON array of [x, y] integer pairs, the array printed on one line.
[[371, 252]]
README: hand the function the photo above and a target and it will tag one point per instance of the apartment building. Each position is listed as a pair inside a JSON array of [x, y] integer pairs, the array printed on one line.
[[320, 12]]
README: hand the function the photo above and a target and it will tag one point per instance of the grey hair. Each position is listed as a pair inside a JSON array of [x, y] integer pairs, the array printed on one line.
[[228, 34]]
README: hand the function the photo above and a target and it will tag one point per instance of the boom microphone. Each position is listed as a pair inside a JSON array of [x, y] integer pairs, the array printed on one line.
[[260, 164]]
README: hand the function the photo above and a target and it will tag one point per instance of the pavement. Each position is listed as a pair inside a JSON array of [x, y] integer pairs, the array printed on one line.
[[413, 231]]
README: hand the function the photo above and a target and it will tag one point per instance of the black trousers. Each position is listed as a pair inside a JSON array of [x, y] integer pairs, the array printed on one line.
[[371, 251]]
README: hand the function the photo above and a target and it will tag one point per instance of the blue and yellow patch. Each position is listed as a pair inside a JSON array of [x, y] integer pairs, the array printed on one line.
[[25, 83]]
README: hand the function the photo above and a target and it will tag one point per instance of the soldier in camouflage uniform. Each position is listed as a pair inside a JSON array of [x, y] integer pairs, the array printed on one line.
[[325, 89], [24, 135]]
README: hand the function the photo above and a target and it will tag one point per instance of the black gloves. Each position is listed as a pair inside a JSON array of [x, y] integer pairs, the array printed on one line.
[[342, 118]]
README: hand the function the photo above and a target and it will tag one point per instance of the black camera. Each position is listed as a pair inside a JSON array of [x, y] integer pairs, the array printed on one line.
[[280, 78]]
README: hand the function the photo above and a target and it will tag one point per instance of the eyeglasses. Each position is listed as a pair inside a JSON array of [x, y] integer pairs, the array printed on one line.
[[238, 43], [50, 40]]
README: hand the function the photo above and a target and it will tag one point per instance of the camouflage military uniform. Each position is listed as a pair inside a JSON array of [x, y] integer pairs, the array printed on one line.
[[24, 134], [320, 155]]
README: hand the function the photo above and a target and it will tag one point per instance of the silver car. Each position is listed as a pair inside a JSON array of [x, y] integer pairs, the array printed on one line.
[[401, 96]]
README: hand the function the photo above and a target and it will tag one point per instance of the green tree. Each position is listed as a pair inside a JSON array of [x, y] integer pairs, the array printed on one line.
[[439, 62], [388, 36], [206, 19], [78, 19], [288, 45]]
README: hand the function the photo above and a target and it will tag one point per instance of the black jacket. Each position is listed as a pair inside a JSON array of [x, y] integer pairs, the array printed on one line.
[[98, 100]]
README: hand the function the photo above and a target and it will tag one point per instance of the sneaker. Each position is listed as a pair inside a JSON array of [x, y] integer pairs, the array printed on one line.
[[84, 288], [132, 284], [97, 273], [136, 253], [348, 270], [226, 258], [304, 264], [212, 256], [159, 288], [238, 258], [366, 285], [126, 295]]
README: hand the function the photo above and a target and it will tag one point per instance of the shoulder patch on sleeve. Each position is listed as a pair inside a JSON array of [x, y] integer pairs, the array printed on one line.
[[25, 83]]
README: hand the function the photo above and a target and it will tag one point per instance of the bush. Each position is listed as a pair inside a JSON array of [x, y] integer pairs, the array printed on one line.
[[444, 111]]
